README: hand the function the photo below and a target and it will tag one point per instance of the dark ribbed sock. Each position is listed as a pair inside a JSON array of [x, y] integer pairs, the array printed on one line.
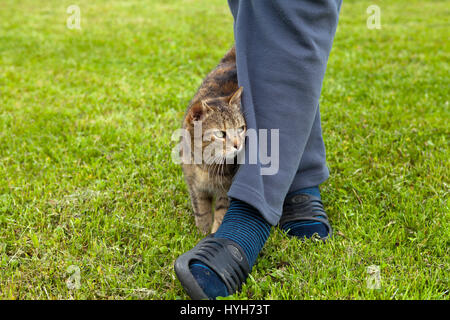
[[306, 229], [244, 225]]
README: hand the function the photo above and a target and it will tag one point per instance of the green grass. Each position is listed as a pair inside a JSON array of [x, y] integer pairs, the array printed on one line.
[[86, 178]]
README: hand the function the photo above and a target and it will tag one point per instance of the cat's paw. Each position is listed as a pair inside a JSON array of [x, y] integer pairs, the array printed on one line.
[[204, 228]]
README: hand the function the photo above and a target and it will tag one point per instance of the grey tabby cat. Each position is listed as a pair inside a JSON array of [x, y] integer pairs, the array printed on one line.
[[217, 106]]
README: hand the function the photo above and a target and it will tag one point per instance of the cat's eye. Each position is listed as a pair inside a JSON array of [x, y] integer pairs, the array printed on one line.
[[241, 129], [220, 134]]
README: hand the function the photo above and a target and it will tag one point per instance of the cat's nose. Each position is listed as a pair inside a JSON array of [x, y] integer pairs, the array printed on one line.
[[235, 144]]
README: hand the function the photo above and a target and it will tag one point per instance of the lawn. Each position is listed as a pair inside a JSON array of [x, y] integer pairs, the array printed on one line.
[[92, 207]]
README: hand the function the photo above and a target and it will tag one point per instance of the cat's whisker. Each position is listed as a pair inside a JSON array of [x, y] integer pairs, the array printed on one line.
[[221, 176]]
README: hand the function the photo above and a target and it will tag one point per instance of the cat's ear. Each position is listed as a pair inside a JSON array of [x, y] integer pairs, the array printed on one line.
[[235, 98], [199, 111]]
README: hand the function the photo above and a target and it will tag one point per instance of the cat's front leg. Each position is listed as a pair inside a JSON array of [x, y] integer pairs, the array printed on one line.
[[202, 205], [221, 208]]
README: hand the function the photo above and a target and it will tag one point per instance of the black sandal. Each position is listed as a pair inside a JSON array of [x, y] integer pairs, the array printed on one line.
[[225, 257], [305, 207]]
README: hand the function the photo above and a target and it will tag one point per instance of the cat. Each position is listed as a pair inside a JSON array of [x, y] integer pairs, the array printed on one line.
[[217, 106]]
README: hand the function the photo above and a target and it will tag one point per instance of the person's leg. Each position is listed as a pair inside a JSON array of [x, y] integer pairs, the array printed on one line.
[[282, 49], [311, 172]]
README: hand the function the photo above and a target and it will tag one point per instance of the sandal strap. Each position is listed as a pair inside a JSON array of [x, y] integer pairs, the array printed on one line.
[[225, 257], [304, 207]]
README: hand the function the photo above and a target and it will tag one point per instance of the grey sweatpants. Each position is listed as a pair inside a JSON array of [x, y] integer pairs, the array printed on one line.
[[282, 48]]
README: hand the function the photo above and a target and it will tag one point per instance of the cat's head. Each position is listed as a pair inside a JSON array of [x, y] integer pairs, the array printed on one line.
[[222, 124]]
